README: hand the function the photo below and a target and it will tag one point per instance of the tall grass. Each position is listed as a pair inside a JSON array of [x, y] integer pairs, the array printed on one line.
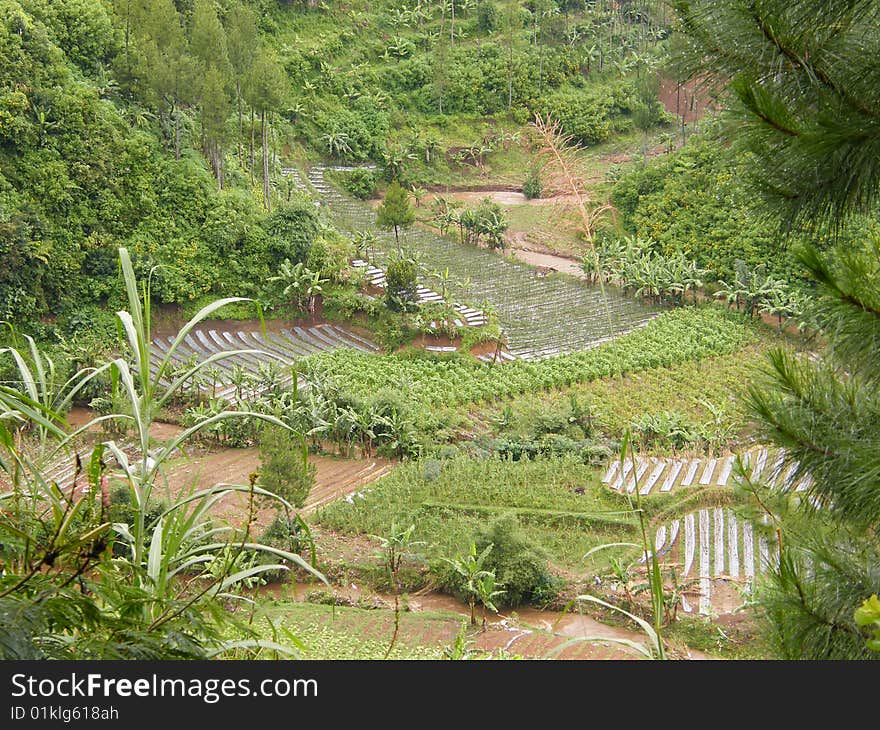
[[170, 573]]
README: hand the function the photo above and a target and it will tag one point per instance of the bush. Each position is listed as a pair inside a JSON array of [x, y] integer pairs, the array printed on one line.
[[519, 565], [532, 186], [401, 282], [282, 533], [431, 470], [291, 229], [329, 255], [589, 116], [361, 183], [345, 302], [487, 16], [665, 430], [284, 469]]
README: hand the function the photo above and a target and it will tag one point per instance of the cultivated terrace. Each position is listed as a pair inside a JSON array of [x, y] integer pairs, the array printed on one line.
[[439, 329]]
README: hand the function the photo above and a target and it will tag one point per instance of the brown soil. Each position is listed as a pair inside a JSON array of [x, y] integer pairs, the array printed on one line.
[[79, 417], [549, 262], [690, 100], [527, 632], [423, 341], [484, 348], [503, 197], [477, 187], [335, 478]]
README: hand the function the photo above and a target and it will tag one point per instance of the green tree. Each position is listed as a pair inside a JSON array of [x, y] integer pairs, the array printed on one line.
[[395, 211], [285, 470], [647, 110], [242, 37], [394, 547], [299, 284], [401, 282], [165, 64], [207, 46], [266, 91], [215, 111], [477, 583], [805, 105]]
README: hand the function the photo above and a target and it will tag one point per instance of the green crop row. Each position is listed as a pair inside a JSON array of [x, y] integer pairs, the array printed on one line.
[[676, 336]]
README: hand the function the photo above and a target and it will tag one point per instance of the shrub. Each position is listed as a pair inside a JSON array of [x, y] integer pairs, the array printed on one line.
[[431, 470], [401, 282], [589, 116], [283, 533], [518, 564], [447, 452], [532, 186], [360, 182], [291, 229], [329, 255], [284, 468], [487, 16], [665, 430], [346, 301]]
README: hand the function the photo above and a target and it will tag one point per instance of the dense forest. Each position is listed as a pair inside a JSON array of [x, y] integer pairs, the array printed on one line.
[[155, 124]]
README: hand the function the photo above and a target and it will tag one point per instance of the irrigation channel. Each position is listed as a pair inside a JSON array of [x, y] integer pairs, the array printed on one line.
[[540, 315]]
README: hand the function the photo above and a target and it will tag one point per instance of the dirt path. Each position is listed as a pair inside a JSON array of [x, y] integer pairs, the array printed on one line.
[[335, 478], [549, 262]]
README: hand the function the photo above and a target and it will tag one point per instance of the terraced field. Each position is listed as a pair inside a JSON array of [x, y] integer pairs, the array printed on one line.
[[713, 547], [282, 348], [469, 317], [335, 478], [664, 475], [327, 632], [540, 315], [62, 468], [710, 546]]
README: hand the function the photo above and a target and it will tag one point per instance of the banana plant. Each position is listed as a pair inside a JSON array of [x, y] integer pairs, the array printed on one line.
[[470, 570]]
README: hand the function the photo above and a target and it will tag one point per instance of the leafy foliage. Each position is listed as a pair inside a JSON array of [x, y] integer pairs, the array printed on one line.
[[808, 126], [395, 213], [517, 563], [673, 337], [153, 587], [401, 282], [284, 468]]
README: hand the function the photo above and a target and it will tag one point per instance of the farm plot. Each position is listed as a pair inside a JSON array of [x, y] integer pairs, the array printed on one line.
[[263, 354], [469, 317], [540, 315], [335, 478], [448, 502], [327, 631], [656, 475], [676, 336], [68, 468], [713, 548]]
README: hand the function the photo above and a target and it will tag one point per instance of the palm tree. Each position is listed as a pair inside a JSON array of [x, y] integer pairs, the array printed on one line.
[[337, 143], [301, 285], [470, 569], [418, 193]]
